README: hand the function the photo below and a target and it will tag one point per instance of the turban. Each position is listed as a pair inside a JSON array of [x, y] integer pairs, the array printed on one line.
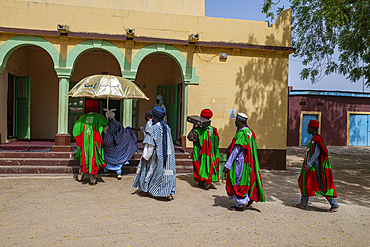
[[92, 105], [242, 117], [313, 123], [149, 113], [159, 112], [206, 113]]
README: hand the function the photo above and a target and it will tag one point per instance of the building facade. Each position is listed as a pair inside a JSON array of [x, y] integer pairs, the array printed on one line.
[[165, 47], [344, 117]]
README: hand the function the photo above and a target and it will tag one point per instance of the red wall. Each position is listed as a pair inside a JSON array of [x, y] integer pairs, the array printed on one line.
[[333, 116]]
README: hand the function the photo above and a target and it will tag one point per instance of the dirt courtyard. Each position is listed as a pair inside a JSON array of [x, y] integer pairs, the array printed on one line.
[[58, 211]]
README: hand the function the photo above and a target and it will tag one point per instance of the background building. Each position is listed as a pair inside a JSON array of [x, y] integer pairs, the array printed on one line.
[[344, 117], [166, 47]]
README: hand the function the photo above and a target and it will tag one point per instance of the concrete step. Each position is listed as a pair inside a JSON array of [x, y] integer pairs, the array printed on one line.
[[177, 156], [44, 155], [39, 169], [37, 162]]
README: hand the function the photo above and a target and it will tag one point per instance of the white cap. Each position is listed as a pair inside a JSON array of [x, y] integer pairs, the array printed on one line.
[[242, 117]]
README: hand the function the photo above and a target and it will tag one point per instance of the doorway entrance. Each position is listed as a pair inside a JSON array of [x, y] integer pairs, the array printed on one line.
[[18, 107]]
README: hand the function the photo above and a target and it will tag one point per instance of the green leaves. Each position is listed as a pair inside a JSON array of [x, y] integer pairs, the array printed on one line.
[[320, 27]]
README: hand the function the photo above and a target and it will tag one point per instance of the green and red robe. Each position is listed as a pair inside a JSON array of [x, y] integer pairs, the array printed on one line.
[[250, 180], [207, 165], [307, 181], [88, 135]]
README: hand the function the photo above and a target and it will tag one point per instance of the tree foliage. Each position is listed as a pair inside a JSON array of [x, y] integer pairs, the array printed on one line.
[[319, 27]]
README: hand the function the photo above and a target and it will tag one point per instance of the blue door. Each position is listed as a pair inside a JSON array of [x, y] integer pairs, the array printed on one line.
[[305, 136], [359, 130]]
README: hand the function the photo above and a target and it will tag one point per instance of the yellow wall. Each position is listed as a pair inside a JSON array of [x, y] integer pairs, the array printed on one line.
[[21, 14], [250, 81], [180, 7], [255, 83]]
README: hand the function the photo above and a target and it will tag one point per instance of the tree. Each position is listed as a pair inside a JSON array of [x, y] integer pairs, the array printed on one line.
[[321, 26]]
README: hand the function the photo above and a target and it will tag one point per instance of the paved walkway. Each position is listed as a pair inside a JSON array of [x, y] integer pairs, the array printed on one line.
[[60, 211]]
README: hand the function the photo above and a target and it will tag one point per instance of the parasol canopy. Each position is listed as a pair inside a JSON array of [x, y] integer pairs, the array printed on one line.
[[107, 87]]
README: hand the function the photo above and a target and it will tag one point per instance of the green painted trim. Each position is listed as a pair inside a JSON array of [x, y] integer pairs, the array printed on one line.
[[63, 105], [63, 72], [9, 46], [187, 72], [87, 45], [185, 111]]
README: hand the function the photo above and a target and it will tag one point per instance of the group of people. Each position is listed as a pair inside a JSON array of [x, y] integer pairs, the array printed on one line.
[[156, 172]]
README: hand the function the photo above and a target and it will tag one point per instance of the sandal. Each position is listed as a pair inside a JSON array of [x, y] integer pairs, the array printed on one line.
[[332, 209], [298, 206]]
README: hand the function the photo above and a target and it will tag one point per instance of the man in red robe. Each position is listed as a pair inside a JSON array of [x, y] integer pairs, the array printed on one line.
[[316, 176], [206, 155], [88, 133]]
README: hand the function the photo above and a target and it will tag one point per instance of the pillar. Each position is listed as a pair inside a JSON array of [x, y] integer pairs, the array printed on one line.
[[63, 138]]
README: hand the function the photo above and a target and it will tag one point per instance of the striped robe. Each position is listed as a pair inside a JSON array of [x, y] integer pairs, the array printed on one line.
[[162, 182]]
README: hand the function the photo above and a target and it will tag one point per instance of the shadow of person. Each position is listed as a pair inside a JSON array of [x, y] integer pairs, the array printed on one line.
[[251, 208], [188, 178], [316, 209], [86, 179], [221, 201]]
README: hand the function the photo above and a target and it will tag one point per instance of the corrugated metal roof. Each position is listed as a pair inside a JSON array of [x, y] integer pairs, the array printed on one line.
[[329, 93]]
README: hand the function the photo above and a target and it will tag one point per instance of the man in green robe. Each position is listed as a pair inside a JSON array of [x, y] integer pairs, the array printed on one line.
[[206, 155], [88, 133], [243, 176]]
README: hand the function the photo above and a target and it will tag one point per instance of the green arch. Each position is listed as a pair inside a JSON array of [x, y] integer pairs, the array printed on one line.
[[86, 45], [187, 72], [9, 46]]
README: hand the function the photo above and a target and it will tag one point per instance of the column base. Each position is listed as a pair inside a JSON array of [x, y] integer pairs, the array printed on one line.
[[62, 143]]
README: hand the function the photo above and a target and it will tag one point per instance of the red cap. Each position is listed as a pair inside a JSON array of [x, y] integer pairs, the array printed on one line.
[[92, 105], [313, 123], [206, 113]]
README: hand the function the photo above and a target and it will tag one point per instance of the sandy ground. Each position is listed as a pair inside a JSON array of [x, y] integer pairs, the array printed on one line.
[[50, 211]]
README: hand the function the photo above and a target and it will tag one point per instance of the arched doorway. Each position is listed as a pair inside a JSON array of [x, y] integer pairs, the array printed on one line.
[[32, 94], [159, 73], [92, 62]]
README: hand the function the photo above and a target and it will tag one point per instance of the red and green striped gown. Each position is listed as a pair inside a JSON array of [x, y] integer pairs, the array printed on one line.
[[88, 134], [251, 180], [307, 181], [206, 169]]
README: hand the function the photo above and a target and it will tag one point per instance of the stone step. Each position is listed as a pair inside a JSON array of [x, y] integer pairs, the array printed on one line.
[[37, 162], [177, 156], [39, 169], [44, 155]]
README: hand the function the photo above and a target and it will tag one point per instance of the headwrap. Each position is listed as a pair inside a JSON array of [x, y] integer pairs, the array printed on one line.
[[159, 113], [242, 117], [160, 98], [206, 113], [313, 123], [149, 113], [91, 105]]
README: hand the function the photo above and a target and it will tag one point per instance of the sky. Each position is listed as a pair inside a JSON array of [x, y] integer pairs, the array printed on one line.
[[251, 10]]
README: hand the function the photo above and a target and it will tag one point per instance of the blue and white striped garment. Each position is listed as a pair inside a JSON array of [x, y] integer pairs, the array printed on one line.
[[120, 144], [163, 181]]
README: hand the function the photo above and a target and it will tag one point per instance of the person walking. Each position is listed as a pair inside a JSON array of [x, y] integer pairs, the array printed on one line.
[[206, 154], [316, 177], [156, 173], [243, 176], [88, 133]]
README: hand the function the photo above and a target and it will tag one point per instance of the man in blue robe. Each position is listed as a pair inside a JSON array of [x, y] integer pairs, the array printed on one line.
[[156, 173], [120, 144]]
